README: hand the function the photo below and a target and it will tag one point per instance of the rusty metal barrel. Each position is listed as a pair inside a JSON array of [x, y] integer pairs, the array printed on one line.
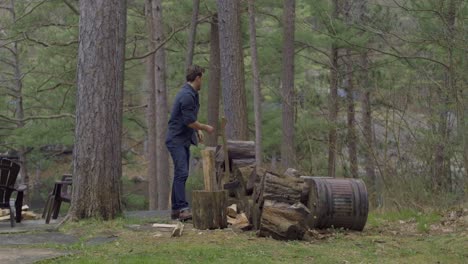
[[338, 203]]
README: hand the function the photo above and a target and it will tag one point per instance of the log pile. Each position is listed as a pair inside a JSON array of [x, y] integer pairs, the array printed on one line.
[[286, 205], [25, 214]]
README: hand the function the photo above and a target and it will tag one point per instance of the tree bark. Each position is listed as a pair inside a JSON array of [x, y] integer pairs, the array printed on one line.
[[287, 86], [214, 83], [282, 188], [209, 209], [232, 69], [333, 113], [17, 90], [256, 85], [283, 221], [192, 34], [368, 134], [162, 156], [97, 161], [351, 137], [351, 119], [151, 114]]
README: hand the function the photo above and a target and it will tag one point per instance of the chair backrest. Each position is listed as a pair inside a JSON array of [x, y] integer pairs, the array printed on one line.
[[8, 173]]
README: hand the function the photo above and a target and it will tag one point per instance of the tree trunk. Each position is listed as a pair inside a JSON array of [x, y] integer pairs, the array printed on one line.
[[333, 104], [192, 34], [256, 85], [162, 156], [351, 136], [367, 132], [19, 109], [333, 113], [287, 86], [214, 83], [151, 114], [97, 161], [232, 69]]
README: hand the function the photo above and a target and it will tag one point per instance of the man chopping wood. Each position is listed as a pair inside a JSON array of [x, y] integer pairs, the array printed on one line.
[[183, 131]]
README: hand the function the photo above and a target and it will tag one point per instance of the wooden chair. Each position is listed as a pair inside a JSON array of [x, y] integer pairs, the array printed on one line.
[[8, 173], [61, 193]]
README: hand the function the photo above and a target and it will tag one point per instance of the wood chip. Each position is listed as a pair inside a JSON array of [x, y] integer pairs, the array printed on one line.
[[232, 211]]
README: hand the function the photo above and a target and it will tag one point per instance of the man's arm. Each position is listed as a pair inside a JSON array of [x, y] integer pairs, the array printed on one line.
[[199, 126]]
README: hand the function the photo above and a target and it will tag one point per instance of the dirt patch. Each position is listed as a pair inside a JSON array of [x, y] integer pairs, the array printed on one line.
[[28, 255]]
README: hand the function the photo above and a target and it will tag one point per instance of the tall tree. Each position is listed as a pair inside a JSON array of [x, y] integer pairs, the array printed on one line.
[[192, 34], [16, 90], [333, 101], [350, 93], [367, 123], [214, 82], [256, 84], [97, 161], [232, 69], [151, 113], [162, 156], [287, 86]]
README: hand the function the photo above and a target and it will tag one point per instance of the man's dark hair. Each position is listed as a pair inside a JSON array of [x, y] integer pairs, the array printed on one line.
[[193, 71]]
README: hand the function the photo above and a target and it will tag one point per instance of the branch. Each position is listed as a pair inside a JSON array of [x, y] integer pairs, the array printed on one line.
[[50, 44], [30, 11], [71, 7], [15, 121], [174, 31]]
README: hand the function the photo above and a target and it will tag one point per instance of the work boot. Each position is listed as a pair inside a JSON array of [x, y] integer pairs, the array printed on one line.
[[175, 214], [185, 215]]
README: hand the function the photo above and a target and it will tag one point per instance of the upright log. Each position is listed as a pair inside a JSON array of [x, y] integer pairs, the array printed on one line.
[[283, 221], [209, 209], [209, 177]]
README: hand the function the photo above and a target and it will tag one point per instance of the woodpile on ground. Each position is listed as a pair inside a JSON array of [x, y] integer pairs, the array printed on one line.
[[25, 214], [286, 206]]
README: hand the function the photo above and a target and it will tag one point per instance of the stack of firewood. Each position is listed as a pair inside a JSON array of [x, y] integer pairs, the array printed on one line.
[[25, 214], [276, 204]]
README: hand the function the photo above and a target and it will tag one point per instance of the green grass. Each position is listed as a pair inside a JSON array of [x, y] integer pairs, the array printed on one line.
[[423, 220], [370, 246]]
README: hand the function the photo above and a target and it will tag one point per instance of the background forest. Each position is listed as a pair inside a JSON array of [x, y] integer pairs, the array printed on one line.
[[371, 89]]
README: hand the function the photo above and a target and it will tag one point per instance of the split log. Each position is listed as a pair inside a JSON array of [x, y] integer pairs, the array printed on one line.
[[209, 209], [255, 177], [178, 230], [237, 150], [243, 174], [232, 210], [283, 221], [291, 172], [240, 222], [258, 188], [282, 188], [236, 163], [209, 177], [255, 215]]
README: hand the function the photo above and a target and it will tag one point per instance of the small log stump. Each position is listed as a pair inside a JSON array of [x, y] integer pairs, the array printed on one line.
[[209, 209]]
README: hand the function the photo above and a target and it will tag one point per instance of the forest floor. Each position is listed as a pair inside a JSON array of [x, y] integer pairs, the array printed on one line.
[[391, 237]]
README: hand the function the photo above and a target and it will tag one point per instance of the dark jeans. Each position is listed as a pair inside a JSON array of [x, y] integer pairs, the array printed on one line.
[[181, 156]]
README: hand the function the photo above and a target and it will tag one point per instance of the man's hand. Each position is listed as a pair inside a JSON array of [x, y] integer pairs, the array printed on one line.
[[200, 136], [209, 129], [199, 126]]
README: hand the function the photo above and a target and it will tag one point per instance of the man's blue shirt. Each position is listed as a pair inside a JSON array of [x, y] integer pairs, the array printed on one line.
[[184, 112]]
